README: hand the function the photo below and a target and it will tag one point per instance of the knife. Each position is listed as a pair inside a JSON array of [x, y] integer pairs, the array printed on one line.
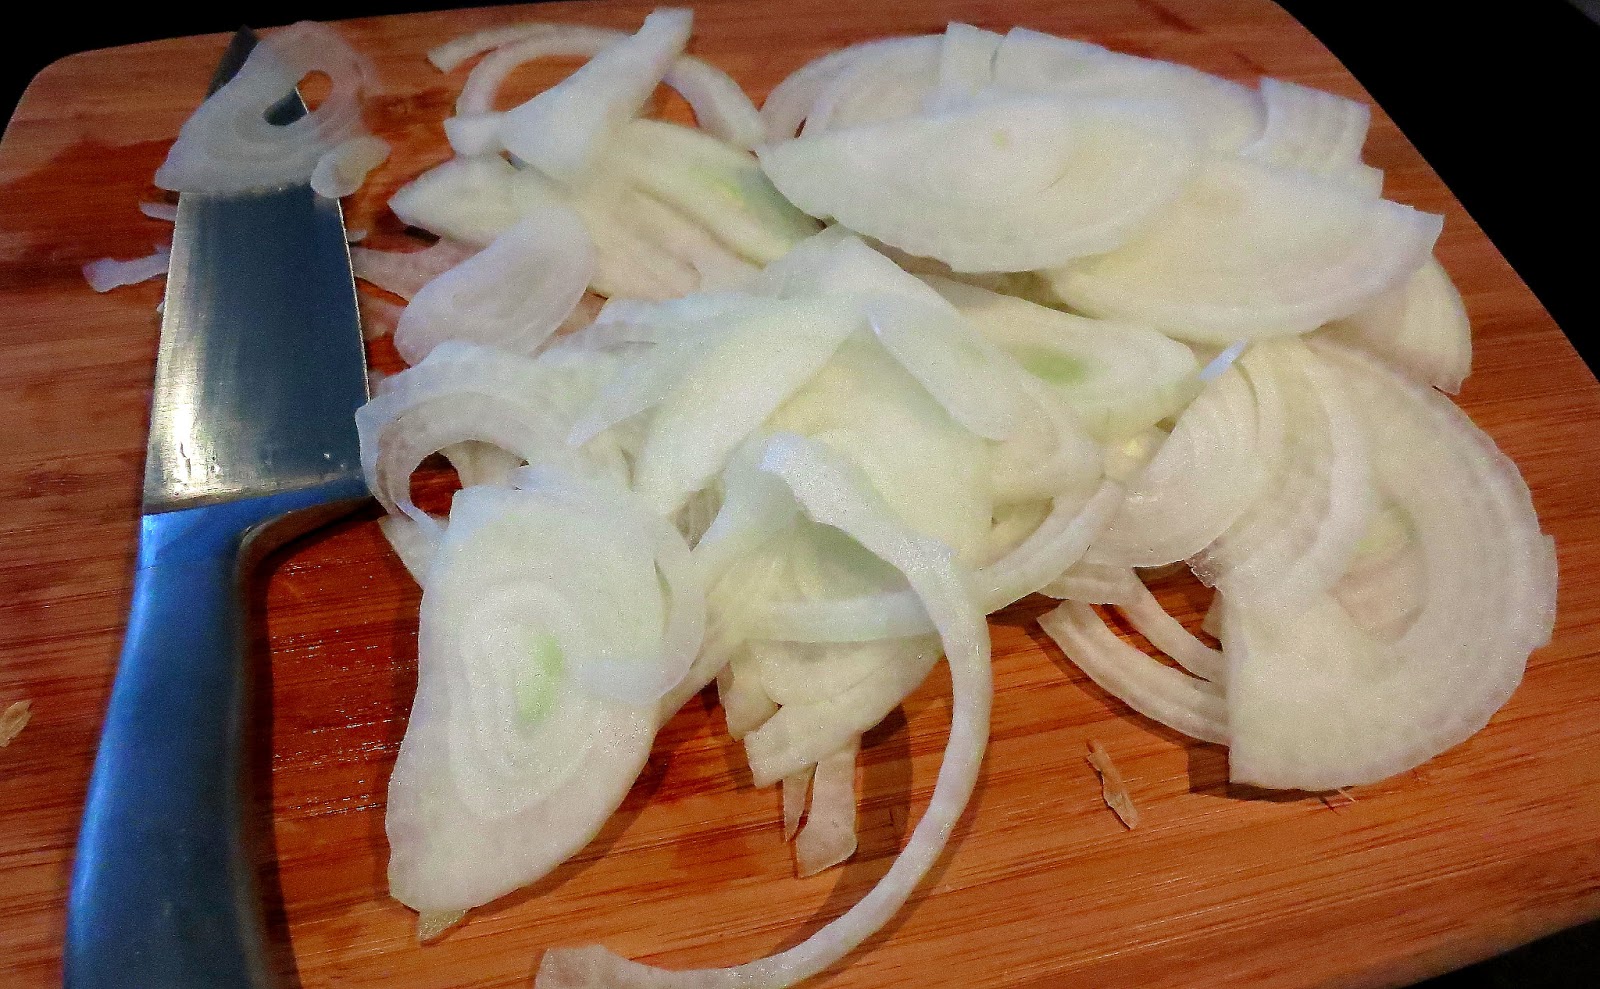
[[252, 441]]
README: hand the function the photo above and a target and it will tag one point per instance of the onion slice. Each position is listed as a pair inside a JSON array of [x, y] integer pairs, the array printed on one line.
[[794, 99], [1249, 251], [512, 295], [1181, 702], [1314, 702], [1300, 533], [230, 145], [1008, 185], [504, 739], [405, 272], [833, 494], [1222, 113], [1151, 620], [1202, 478], [563, 131], [1421, 326], [719, 104], [1057, 544], [829, 836], [109, 273], [1313, 131], [345, 167]]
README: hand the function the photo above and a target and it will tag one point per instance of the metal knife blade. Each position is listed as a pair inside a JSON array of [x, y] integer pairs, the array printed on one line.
[[261, 365], [259, 374]]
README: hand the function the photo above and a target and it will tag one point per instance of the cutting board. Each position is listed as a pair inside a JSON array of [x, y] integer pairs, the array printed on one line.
[[1487, 846]]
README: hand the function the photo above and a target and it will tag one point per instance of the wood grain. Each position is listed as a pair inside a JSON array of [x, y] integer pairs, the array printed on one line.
[[1487, 846]]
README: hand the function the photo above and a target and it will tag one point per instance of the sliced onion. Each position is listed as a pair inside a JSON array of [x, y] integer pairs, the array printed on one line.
[[886, 80], [405, 272], [829, 836], [1222, 113], [512, 295], [462, 392], [1057, 544], [1202, 478], [974, 381], [1094, 583], [160, 211], [745, 706], [466, 199], [504, 740], [1251, 251], [1151, 620], [1315, 703], [719, 185], [801, 734], [966, 66], [565, 130], [1313, 131], [1121, 378], [1299, 535], [833, 496], [1010, 185], [345, 167], [415, 546], [379, 317], [1050, 455], [935, 474], [625, 675], [1421, 326], [1181, 702], [481, 463], [720, 105], [108, 273], [796, 789], [472, 134], [793, 99], [229, 146], [1384, 597], [765, 355], [681, 334], [530, 43]]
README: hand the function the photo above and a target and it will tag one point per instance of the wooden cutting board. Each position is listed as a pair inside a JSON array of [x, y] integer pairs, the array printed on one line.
[[1487, 846]]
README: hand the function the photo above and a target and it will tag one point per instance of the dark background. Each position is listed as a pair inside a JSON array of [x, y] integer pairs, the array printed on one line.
[[1501, 97]]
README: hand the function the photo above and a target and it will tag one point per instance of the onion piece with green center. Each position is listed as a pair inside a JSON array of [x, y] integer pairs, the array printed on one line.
[[511, 762], [1120, 377]]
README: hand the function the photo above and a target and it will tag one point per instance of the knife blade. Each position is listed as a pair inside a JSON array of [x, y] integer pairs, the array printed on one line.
[[259, 373]]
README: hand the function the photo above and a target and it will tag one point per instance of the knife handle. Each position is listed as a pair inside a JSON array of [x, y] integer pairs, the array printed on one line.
[[163, 887]]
